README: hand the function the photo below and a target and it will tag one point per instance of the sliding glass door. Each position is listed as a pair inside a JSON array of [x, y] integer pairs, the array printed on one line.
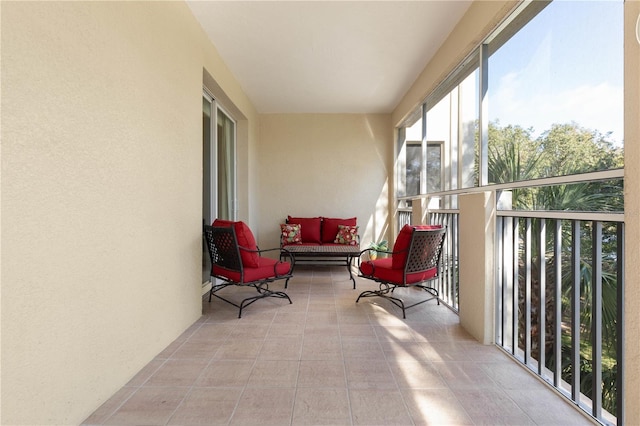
[[218, 168]]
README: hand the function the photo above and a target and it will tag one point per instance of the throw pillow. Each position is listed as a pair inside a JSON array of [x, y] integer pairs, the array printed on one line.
[[291, 233], [310, 228], [330, 227], [347, 235]]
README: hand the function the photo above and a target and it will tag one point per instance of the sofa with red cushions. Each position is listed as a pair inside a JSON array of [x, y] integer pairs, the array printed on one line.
[[320, 240]]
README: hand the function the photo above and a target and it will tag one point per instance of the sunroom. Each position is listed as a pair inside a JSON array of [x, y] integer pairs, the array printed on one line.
[[123, 128]]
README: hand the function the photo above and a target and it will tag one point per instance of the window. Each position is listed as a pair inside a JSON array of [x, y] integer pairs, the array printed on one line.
[[446, 160], [549, 83], [556, 93]]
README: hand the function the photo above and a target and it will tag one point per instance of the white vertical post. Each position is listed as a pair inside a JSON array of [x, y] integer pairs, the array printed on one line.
[[477, 259], [418, 211]]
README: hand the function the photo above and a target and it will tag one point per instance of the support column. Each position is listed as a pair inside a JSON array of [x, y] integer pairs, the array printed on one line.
[[419, 211], [631, 305], [477, 258]]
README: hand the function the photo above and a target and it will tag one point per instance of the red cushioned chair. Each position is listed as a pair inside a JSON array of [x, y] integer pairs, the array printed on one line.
[[415, 259], [236, 260]]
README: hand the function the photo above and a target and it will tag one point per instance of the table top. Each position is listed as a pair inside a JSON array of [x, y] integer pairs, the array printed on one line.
[[322, 249]]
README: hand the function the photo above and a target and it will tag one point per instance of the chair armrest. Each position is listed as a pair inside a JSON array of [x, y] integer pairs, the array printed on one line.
[[292, 259], [260, 251], [382, 251], [387, 252]]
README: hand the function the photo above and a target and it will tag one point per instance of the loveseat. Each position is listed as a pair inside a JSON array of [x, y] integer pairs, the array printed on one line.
[[320, 240]]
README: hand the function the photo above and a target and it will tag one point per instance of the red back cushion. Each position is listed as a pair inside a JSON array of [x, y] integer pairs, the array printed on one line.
[[402, 244], [245, 239], [309, 227], [330, 227]]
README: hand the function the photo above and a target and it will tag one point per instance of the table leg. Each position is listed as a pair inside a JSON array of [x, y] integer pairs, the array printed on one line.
[[349, 263]]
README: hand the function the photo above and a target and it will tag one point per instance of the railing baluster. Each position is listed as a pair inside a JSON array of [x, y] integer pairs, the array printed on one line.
[[499, 311], [557, 338], [542, 311], [575, 311], [507, 258], [527, 293], [596, 319], [507, 267], [516, 283], [620, 359]]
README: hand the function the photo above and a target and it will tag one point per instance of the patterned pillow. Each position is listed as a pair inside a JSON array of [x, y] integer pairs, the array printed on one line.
[[347, 235], [291, 233]]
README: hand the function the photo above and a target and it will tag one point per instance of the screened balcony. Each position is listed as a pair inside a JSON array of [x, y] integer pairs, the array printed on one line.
[[556, 286]]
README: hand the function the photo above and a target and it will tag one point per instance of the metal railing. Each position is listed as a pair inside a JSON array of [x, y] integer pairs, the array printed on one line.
[[559, 288], [559, 292]]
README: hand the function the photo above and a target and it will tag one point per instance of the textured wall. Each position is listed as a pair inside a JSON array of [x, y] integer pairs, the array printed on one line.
[[632, 213], [101, 196], [333, 165]]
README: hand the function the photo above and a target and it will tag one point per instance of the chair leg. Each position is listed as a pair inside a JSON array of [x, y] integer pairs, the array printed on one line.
[[261, 288], [434, 292], [386, 290]]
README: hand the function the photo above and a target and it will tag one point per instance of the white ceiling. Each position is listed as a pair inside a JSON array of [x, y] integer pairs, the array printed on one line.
[[327, 56]]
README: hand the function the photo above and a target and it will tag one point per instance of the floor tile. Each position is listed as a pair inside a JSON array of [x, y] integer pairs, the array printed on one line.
[[280, 348], [435, 407], [321, 407], [206, 406], [321, 349], [464, 375], [177, 372], [226, 373], [416, 375], [149, 406], [239, 349], [274, 374], [378, 407], [322, 374], [143, 375], [536, 402], [368, 374], [325, 360], [488, 403], [99, 416], [362, 349], [196, 349], [264, 407]]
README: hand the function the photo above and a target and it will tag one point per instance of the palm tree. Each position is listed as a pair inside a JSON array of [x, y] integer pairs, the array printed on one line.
[[563, 150]]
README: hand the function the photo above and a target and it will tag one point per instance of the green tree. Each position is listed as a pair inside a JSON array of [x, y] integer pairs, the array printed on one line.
[[563, 150]]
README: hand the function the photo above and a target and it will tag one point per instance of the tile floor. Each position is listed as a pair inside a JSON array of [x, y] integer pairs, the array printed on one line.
[[325, 360]]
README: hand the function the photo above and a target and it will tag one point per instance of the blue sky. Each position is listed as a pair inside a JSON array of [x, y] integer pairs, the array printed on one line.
[[565, 65]]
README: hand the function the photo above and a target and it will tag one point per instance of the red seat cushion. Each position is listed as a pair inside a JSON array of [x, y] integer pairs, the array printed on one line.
[[245, 239], [402, 244], [267, 268], [383, 270], [367, 268], [330, 227], [309, 227]]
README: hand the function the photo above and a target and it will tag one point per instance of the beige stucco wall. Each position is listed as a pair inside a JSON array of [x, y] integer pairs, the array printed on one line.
[[632, 213], [101, 195], [333, 165]]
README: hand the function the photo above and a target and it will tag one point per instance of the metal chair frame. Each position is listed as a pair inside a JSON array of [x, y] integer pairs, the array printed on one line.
[[424, 253], [224, 252]]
